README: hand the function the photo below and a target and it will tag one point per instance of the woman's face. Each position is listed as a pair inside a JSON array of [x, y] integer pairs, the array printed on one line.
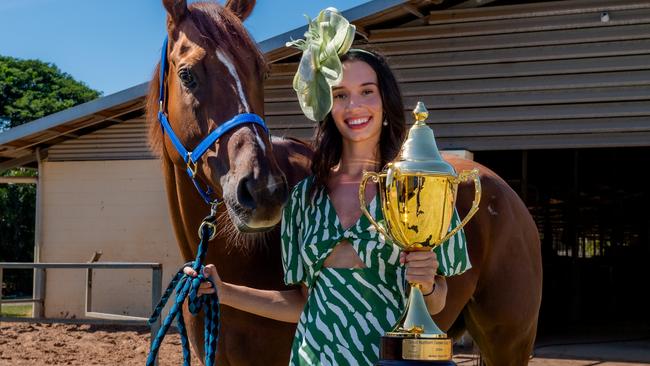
[[357, 109]]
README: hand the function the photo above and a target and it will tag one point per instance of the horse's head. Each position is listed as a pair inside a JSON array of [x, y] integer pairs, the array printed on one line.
[[215, 71]]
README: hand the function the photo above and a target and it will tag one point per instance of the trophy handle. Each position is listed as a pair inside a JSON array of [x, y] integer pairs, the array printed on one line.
[[463, 176], [362, 199]]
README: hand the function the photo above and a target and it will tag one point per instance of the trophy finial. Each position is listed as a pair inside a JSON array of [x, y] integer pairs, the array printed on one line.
[[420, 113], [419, 151]]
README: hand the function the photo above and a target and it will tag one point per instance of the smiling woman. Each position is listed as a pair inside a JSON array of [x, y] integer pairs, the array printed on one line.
[[350, 280]]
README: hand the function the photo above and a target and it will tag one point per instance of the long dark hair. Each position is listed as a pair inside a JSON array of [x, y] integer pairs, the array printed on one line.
[[328, 141]]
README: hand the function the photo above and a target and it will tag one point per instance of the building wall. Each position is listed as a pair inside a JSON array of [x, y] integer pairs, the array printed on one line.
[[117, 207], [122, 141]]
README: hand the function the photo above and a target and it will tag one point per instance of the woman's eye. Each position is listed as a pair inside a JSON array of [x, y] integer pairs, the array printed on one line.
[[187, 78], [367, 92], [339, 96]]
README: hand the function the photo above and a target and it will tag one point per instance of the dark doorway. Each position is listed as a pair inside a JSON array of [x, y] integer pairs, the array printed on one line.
[[592, 208]]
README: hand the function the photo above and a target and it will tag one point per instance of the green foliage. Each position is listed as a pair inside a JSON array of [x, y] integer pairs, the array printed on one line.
[[17, 208], [17, 310], [31, 89]]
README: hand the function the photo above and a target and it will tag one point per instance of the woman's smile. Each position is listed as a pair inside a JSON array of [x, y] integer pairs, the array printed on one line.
[[358, 123]]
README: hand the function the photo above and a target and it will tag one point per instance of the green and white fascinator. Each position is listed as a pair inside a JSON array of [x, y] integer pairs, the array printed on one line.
[[329, 36]]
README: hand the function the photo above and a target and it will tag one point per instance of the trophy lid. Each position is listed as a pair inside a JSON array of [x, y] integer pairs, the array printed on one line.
[[419, 152]]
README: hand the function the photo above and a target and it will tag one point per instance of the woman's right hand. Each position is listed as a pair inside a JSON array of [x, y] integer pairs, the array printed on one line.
[[208, 271]]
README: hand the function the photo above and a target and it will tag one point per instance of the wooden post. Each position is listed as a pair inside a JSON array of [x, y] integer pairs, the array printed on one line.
[[524, 176], [39, 274], [0, 290], [156, 292], [89, 281], [572, 226], [39, 293]]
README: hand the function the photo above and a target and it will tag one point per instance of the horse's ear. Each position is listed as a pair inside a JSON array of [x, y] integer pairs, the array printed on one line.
[[241, 8], [177, 10]]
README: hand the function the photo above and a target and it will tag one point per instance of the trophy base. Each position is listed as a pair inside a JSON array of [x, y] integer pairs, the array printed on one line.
[[414, 363], [403, 351]]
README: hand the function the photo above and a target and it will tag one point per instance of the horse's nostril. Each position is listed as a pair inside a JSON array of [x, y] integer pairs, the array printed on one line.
[[244, 193]]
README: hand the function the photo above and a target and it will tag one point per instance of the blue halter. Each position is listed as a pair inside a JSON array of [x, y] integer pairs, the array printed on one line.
[[192, 158]]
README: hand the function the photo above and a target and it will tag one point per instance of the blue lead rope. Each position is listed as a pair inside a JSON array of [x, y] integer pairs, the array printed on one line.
[[185, 286]]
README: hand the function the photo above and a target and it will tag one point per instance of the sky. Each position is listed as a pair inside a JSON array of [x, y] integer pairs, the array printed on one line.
[[112, 45]]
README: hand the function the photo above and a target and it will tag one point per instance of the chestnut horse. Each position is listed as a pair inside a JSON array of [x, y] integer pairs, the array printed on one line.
[[215, 71]]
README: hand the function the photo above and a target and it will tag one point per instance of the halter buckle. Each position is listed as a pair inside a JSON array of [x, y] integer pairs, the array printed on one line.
[[214, 205], [191, 166]]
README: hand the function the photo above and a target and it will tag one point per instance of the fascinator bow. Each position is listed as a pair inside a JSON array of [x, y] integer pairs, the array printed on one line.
[[328, 37]]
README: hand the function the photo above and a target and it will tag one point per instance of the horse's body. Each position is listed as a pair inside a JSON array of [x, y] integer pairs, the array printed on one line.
[[497, 300]]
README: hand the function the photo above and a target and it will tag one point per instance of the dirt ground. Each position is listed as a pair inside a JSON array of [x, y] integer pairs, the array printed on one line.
[[65, 344], [34, 344]]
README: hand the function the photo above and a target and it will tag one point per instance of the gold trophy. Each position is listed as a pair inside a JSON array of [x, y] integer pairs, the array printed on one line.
[[418, 194]]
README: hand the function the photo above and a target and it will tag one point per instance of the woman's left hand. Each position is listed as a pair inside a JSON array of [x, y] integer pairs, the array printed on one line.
[[421, 268]]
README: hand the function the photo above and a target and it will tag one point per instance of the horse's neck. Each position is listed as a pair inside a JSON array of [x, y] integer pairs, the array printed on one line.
[[184, 208], [294, 158]]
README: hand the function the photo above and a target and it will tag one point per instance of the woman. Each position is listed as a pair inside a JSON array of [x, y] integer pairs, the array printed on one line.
[[350, 282]]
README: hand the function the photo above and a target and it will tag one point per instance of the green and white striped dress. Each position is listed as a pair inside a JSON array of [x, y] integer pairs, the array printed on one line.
[[348, 309]]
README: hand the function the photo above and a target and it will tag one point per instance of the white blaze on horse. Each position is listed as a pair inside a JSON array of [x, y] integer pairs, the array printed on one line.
[[214, 72]]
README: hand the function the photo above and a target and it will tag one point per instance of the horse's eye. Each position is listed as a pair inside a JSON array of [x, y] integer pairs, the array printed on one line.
[[187, 78]]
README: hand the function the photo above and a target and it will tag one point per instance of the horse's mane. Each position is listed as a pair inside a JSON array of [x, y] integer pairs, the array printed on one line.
[[225, 31]]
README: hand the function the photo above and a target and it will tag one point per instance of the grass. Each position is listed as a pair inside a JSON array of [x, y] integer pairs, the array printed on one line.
[[17, 310]]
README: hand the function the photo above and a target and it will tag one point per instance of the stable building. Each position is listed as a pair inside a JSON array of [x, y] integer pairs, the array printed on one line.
[[552, 95]]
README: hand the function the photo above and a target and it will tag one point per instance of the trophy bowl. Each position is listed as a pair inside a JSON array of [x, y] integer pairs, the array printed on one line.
[[418, 195], [417, 208]]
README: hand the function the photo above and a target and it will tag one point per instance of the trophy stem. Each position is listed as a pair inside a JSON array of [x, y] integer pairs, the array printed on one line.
[[417, 320]]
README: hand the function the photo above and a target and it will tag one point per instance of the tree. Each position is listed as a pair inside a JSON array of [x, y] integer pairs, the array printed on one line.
[[29, 89]]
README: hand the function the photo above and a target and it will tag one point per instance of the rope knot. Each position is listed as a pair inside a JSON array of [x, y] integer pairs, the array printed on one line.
[[196, 302], [187, 287]]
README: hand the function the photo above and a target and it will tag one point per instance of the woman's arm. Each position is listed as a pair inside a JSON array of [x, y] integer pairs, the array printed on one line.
[[421, 268], [436, 301], [284, 306]]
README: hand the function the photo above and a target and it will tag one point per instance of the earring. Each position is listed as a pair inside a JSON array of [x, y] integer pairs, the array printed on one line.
[[385, 123]]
